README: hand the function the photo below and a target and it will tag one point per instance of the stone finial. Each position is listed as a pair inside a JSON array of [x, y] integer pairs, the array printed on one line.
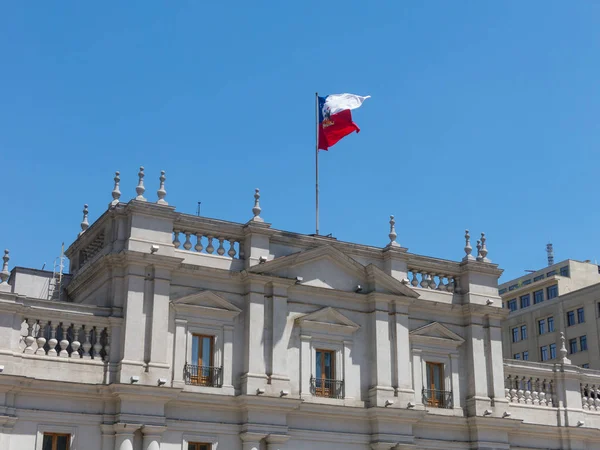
[[468, 248], [256, 210], [116, 192], [84, 223], [161, 190], [393, 235], [140, 189], [479, 258], [563, 350], [484, 251], [4, 274]]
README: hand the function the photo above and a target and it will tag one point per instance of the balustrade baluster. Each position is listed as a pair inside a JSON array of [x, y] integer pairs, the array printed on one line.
[[198, 247], [424, 280], [41, 340], [528, 399], [210, 248], [76, 344], [414, 281], [451, 285], [440, 286], [107, 346], [231, 251], [176, 242], [29, 339], [241, 253], [97, 344], [87, 345], [64, 341], [52, 342], [187, 244], [221, 249]]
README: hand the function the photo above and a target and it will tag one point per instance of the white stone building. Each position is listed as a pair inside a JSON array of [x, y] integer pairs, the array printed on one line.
[[561, 298], [174, 332]]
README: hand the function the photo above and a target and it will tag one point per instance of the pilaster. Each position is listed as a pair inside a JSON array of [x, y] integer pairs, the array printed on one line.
[[277, 441], [251, 441], [108, 436], [152, 437], [417, 375], [405, 388], [305, 366], [124, 435], [254, 360], [160, 323], [179, 352], [279, 378], [381, 375]]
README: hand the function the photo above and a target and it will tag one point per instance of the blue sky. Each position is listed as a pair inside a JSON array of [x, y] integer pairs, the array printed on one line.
[[483, 115]]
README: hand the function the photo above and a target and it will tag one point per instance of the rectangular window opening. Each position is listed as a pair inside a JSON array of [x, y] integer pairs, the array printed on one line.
[[198, 446], [56, 441]]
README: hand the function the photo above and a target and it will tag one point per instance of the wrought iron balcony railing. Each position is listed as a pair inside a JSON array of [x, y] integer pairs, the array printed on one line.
[[203, 375], [437, 399], [323, 387]]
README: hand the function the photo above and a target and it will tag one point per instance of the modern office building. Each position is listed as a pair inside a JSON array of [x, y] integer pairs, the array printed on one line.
[[563, 297], [173, 331]]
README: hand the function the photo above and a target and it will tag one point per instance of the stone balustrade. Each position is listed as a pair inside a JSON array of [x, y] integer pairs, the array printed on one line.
[[433, 280], [208, 236], [529, 390], [590, 390], [65, 339]]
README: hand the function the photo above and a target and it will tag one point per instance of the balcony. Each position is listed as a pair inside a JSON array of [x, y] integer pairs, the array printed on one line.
[[203, 375], [323, 387], [437, 399]]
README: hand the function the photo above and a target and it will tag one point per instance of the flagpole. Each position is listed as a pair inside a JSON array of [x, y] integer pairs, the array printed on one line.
[[317, 161]]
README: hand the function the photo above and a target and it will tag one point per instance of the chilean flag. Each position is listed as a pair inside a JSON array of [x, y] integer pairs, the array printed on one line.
[[335, 117]]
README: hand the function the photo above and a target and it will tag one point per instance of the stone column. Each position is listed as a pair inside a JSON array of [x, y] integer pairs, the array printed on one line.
[[406, 391], [108, 437], [254, 359], [251, 441], [124, 436], [279, 377], [351, 383], [381, 350], [417, 375], [160, 317], [477, 394], [152, 437], [134, 326], [228, 357], [305, 366], [180, 356], [277, 441], [496, 362], [454, 379]]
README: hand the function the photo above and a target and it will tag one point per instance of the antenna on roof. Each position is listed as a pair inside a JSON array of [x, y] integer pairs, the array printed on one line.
[[198, 210], [550, 251]]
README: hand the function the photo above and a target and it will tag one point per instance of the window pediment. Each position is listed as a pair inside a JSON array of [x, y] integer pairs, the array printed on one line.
[[436, 334], [206, 304], [327, 321]]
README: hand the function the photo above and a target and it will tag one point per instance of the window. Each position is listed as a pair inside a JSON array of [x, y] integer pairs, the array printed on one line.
[[552, 351], [526, 282], [525, 301], [517, 356], [56, 441], [552, 291], [202, 371], [542, 326], [550, 324], [512, 304], [583, 343], [538, 278], [564, 271], [572, 345], [544, 353], [523, 332], [585, 366], [502, 291], [325, 384], [570, 318], [538, 296], [525, 356], [580, 315], [515, 334], [198, 446], [434, 391], [513, 287], [552, 272]]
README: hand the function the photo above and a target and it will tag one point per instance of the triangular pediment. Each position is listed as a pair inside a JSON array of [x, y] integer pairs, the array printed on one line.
[[436, 334], [206, 303], [329, 268], [327, 320]]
